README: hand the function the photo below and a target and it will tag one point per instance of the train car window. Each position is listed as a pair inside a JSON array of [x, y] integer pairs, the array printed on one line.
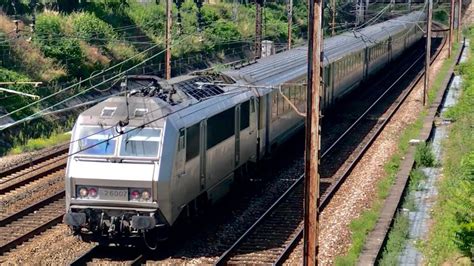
[[281, 104], [143, 142], [192, 141], [287, 93], [96, 141], [252, 106], [297, 95], [274, 106], [244, 115], [220, 127], [181, 143]]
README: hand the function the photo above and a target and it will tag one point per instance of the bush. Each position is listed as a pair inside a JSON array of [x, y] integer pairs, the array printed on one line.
[[452, 232], [442, 16], [222, 31], [424, 155], [149, 18], [89, 27], [53, 43], [416, 176], [11, 101]]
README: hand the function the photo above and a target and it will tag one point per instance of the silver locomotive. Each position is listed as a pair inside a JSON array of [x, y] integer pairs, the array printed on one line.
[[169, 148]]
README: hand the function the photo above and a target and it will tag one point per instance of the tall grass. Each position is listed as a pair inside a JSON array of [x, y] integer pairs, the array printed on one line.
[[41, 143], [369, 217], [452, 234]]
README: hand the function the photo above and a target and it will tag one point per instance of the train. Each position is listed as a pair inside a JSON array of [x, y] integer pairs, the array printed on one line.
[[169, 148]]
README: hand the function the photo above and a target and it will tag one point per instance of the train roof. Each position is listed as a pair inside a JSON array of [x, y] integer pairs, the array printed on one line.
[[152, 98], [284, 66], [140, 110]]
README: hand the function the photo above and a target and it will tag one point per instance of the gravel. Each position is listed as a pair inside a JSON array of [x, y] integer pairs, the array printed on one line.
[[8, 161], [359, 190], [33, 192], [55, 246], [217, 231]]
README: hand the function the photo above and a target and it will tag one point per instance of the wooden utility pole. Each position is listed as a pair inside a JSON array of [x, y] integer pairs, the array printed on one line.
[[290, 22], [169, 5], [459, 20], [451, 28], [428, 52], [333, 17], [258, 28], [311, 183]]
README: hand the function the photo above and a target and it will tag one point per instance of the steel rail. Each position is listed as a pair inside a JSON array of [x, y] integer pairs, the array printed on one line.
[[42, 172], [35, 230], [33, 207], [225, 256], [338, 181], [333, 188], [89, 255], [30, 163]]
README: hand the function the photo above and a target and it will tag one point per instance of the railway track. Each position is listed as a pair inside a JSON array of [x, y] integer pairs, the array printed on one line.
[[274, 236], [27, 172], [30, 221], [278, 231], [126, 255], [24, 224]]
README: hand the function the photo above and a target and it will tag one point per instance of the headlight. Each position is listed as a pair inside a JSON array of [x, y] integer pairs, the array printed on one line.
[[134, 195], [87, 192], [113, 194], [83, 192], [92, 192], [140, 194], [146, 195]]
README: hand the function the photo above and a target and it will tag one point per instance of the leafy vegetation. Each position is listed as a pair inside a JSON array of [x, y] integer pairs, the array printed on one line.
[[53, 43], [10, 101], [361, 226], [396, 240], [452, 234], [441, 14], [369, 217], [41, 143], [424, 155]]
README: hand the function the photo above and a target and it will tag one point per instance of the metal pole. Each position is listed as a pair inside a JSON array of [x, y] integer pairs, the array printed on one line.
[[459, 20], [451, 28], [358, 12], [409, 5], [258, 28], [428, 52], [290, 20], [311, 190], [366, 10], [169, 4], [20, 93], [333, 17]]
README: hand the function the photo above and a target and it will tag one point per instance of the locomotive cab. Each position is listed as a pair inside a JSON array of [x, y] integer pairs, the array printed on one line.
[[113, 170]]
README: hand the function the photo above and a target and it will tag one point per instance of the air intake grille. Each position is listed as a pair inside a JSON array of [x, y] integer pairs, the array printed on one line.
[[199, 92]]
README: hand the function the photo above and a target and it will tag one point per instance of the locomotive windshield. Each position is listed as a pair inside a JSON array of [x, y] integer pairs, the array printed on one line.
[[143, 142], [96, 141]]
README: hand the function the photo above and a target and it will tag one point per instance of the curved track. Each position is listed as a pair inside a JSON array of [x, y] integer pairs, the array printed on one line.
[[278, 231]]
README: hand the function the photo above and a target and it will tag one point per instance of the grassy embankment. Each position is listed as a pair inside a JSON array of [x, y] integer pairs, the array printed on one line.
[[361, 226], [451, 238]]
